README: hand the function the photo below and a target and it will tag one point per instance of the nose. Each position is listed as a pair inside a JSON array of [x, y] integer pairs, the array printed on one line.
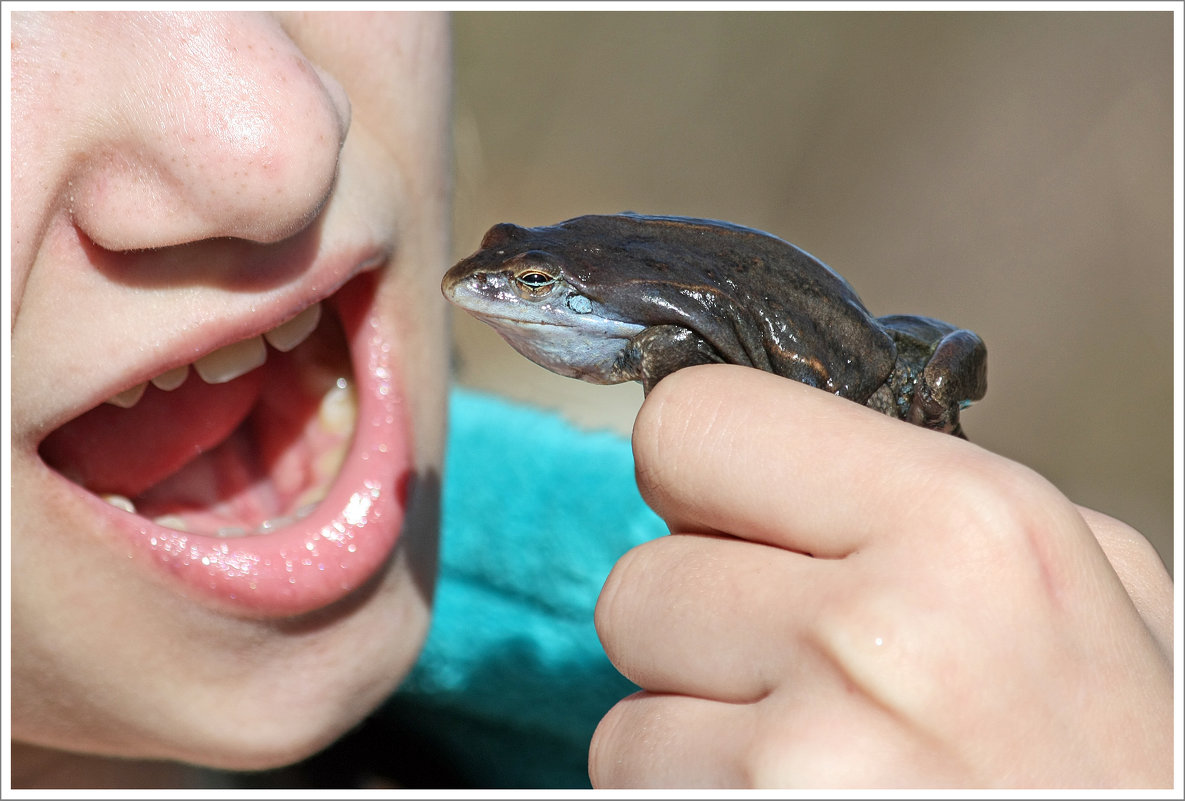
[[220, 127]]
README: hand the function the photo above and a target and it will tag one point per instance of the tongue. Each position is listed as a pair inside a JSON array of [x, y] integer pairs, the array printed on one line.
[[125, 451]]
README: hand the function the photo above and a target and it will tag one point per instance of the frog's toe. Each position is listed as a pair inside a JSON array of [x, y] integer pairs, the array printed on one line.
[[953, 378]]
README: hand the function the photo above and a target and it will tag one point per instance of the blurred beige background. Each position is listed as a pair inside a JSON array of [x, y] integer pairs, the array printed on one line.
[[1008, 172]]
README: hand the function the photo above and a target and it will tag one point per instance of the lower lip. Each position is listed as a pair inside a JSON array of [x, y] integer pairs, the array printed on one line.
[[347, 539]]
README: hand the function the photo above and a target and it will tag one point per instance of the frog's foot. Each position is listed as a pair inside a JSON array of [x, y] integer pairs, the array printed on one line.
[[954, 376], [659, 351]]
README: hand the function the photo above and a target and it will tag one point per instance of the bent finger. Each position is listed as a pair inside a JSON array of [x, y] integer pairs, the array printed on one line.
[[711, 616], [670, 741], [736, 450], [1140, 570]]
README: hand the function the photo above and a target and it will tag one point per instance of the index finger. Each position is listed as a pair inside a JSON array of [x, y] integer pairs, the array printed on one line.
[[721, 448]]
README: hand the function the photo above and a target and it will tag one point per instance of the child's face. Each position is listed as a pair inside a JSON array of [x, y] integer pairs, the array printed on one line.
[[233, 570]]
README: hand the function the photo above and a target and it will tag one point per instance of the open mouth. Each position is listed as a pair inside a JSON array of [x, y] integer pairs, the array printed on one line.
[[244, 440], [268, 473]]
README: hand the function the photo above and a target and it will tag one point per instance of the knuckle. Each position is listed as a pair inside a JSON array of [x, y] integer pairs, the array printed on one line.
[[995, 513]]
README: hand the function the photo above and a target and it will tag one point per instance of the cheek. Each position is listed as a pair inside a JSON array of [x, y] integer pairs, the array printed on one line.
[[417, 313]]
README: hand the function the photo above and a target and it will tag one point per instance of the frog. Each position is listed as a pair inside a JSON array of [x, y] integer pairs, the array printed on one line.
[[609, 298]]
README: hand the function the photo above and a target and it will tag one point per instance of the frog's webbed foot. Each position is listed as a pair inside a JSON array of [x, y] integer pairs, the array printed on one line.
[[954, 376], [659, 351]]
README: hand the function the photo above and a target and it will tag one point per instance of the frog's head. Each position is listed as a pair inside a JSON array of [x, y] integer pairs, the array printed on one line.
[[520, 283]]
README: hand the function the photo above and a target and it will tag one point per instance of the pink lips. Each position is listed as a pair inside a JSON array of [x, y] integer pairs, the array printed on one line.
[[344, 542]]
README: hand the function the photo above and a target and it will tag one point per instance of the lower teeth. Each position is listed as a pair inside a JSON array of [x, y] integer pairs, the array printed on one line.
[[177, 523], [120, 502], [268, 526], [171, 521]]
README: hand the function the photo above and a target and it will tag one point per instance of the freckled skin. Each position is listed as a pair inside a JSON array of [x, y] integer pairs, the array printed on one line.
[[612, 298]]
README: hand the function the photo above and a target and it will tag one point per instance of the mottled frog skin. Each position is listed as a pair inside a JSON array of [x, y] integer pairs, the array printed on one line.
[[631, 297]]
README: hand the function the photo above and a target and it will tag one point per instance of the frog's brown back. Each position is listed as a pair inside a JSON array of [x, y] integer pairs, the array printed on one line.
[[757, 299]]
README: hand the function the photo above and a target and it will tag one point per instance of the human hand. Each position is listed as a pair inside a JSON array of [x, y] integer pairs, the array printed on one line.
[[850, 601]]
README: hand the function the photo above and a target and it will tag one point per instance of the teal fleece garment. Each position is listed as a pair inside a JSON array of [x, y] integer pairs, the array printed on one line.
[[512, 680]]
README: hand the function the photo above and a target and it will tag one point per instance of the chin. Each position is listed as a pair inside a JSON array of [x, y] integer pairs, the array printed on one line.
[[149, 675]]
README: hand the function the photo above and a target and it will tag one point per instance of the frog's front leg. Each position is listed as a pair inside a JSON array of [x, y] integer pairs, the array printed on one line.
[[660, 350], [953, 377]]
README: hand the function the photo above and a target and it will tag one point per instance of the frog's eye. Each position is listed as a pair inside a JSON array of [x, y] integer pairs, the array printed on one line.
[[533, 283], [535, 279]]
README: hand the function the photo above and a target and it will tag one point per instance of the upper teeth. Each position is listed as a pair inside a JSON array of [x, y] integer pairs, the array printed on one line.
[[286, 336], [171, 379], [230, 362]]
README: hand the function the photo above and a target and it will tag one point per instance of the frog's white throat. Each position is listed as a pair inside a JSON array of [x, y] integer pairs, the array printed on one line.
[[584, 346]]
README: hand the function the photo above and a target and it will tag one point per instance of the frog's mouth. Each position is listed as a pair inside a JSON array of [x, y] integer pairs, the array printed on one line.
[[244, 441]]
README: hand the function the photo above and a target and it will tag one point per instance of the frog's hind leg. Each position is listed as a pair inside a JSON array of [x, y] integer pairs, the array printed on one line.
[[954, 376], [659, 351]]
